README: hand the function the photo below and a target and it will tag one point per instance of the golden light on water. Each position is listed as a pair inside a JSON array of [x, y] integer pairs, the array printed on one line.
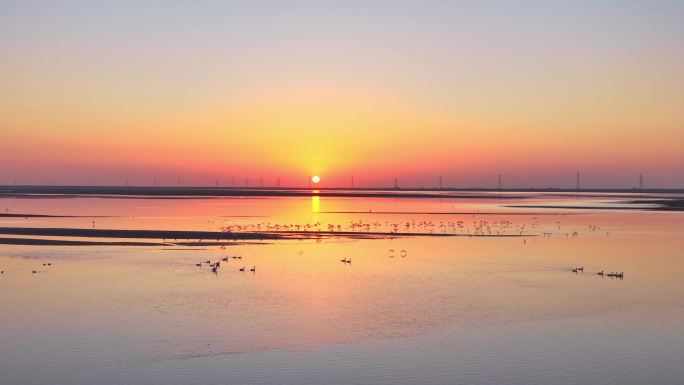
[[315, 203]]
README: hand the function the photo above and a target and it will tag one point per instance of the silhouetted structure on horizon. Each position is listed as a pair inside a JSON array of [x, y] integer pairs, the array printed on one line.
[[578, 182]]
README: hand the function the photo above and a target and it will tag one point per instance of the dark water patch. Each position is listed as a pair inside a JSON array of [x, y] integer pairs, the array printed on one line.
[[20, 215], [662, 204], [170, 235], [569, 207], [204, 238], [61, 242]]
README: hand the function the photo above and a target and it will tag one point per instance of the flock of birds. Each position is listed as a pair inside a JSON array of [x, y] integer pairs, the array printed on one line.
[[477, 227], [456, 227], [45, 264], [215, 266], [402, 253], [619, 275]]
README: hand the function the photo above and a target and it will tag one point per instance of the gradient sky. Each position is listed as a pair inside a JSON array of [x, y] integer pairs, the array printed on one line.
[[104, 92]]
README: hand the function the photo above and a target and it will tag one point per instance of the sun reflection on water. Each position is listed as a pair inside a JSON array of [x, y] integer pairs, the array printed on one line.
[[315, 203]]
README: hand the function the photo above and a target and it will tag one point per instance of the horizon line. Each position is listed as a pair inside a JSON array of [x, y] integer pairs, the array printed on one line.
[[45, 187]]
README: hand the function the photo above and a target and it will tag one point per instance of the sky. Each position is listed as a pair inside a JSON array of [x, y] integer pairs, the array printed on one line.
[[108, 93]]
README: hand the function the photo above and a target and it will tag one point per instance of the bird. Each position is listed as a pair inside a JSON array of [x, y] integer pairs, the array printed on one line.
[[344, 260], [208, 261], [253, 269], [214, 269], [581, 268], [199, 264], [242, 269], [574, 270], [225, 259], [600, 273], [349, 261], [33, 272]]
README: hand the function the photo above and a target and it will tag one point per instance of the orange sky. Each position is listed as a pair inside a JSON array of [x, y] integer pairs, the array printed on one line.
[[204, 92]]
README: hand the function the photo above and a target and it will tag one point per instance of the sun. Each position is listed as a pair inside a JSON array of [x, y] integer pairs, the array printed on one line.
[[315, 178]]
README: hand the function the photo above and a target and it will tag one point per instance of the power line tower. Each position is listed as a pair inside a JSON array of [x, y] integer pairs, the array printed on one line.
[[278, 182], [440, 182], [641, 181], [578, 181], [352, 181], [498, 182], [261, 182], [246, 182], [396, 183]]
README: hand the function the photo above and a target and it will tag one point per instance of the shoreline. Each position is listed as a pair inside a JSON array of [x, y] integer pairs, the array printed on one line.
[[209, 192], [199, 238]]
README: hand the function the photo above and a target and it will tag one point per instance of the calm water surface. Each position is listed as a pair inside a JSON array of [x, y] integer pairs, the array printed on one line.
[[447, 310]]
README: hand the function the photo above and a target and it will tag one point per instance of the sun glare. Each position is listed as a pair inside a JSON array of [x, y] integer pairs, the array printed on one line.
[[315, 179]]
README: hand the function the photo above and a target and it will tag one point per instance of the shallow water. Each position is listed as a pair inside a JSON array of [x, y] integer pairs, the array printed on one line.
[[470, 310]]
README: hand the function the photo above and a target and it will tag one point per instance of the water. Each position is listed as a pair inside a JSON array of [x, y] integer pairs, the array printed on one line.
[[464, 310]]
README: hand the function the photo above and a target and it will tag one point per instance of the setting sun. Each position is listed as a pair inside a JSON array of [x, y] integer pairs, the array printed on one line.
[[315, 179]]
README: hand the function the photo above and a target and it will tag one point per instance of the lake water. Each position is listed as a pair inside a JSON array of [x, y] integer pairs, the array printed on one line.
[[466, 309]]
